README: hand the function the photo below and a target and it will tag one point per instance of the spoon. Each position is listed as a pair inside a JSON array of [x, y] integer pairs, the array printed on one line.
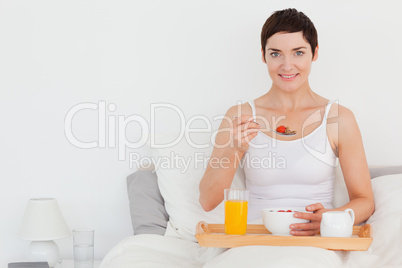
[[279, 133]]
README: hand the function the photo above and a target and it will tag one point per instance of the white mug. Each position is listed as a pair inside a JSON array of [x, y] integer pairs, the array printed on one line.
[[337, 223]]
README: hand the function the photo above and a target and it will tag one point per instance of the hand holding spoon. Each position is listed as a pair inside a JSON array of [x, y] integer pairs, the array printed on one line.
[[284, 130]]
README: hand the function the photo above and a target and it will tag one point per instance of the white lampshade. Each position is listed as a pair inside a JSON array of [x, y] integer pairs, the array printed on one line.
[[43, 221]]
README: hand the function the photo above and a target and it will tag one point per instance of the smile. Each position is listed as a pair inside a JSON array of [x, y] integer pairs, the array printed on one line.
[[288, 76]]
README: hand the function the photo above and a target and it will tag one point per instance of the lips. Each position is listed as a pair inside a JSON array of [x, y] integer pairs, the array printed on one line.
[[288, 76]]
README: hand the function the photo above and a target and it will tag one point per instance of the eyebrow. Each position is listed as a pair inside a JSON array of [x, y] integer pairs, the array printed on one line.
[[297, 48]]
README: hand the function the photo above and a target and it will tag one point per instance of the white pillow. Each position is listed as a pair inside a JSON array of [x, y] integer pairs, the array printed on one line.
[[179, 185], [386, 222], [388, 197], [341, 196]]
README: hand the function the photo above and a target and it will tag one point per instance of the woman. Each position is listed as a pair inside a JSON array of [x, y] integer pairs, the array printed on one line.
[[301, 167]]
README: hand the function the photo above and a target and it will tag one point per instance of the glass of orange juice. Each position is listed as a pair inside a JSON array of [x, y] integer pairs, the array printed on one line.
[[236, 205]]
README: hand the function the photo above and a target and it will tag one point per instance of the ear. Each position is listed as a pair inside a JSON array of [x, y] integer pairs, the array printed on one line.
[[315, 54], [263, 58]]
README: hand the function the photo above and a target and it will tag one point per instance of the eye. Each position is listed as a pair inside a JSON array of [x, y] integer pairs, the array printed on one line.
[[275, 54], [299, 53]]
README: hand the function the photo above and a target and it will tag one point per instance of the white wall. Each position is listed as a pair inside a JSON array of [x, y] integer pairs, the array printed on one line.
[[201, 56]]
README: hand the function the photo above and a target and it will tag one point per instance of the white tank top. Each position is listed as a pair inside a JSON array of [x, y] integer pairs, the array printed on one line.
[[292, 173]]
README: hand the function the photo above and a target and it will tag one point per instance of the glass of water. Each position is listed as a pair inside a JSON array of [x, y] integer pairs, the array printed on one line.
[[83, 248]]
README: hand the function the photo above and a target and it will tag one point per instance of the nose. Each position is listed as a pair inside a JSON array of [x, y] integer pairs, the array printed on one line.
[[287, 64]]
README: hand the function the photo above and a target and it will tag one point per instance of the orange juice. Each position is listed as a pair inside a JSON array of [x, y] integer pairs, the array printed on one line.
[[236, 216]]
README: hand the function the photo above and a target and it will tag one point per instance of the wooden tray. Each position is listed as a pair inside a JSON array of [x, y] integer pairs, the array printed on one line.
[[213, 235]]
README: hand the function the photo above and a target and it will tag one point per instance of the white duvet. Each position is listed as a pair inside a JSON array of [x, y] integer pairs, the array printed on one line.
[[174, 250], [178, 249], [149, 251]]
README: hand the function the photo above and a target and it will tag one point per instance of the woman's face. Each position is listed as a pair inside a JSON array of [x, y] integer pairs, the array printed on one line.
[[289, 58]]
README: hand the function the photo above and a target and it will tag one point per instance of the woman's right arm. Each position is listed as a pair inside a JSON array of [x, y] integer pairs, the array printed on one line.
[[231, 142]]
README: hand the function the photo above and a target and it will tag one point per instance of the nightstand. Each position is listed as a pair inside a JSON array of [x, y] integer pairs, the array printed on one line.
[[70, 264]]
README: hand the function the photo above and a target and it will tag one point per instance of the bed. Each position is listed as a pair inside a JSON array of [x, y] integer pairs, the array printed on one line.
[[164, 210]]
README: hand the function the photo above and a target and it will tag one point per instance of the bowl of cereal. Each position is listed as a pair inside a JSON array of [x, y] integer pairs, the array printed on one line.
[[278, 220]]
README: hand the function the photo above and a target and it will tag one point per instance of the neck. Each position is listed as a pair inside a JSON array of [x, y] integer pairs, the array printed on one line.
[[280, 99]]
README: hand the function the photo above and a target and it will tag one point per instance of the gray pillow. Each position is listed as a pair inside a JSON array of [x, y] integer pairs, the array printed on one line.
[[147, 207], [386, 170]]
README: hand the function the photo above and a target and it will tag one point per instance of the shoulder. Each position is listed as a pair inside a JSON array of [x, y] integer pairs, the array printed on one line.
[[241, 109], [342, 125], [341, 115], [237, 110]]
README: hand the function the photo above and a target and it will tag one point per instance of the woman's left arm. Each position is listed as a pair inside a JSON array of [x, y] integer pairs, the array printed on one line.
[[355, 171]]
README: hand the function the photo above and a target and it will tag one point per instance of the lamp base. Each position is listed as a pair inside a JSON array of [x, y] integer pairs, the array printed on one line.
[[43, 251]]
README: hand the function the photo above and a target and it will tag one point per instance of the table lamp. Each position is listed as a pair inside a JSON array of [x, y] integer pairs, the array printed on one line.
[[42, 223]]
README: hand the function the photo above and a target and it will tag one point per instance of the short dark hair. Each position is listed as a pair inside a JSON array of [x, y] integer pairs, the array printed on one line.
[[290, 21]]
